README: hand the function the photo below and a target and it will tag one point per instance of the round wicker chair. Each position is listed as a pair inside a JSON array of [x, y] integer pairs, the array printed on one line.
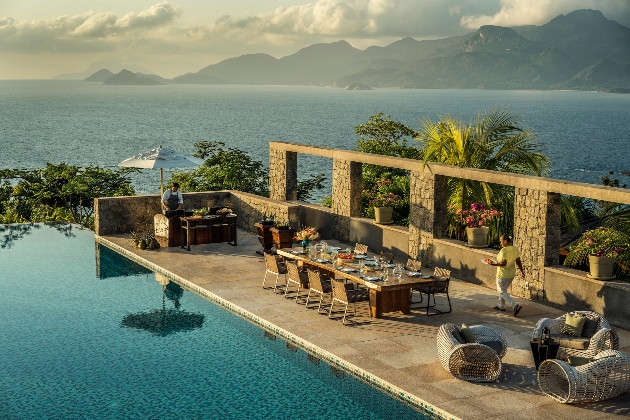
[[604, 338], [474, 362], [606, 376]]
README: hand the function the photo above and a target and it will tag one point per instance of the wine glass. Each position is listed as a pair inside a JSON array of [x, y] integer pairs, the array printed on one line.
[[398, 270], [361, 268]]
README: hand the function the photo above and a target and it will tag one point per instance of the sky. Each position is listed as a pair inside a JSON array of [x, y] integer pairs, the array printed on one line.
[[43, 38]]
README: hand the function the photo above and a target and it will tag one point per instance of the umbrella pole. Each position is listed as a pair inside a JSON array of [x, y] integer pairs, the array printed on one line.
[[161, 182]]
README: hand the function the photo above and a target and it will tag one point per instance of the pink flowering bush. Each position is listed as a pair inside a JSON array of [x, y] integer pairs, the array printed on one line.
[[379, 196], [477, 216], [601, 242]]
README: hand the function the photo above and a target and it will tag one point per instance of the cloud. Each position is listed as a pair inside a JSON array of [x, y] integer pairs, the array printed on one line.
[[537, 12], [88, 31]]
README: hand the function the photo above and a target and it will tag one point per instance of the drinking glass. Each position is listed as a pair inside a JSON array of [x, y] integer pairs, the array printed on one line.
[[398, 270], [376, 259], [361, 267]]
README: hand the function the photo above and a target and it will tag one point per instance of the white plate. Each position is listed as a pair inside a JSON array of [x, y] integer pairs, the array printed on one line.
[[348, 270], [371, 278], [336, 248], [414, 274], [390, 265], [360, 257], [426, 277], [483, 260]]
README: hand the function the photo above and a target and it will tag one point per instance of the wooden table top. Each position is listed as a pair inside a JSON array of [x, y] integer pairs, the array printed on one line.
[[392, 283]]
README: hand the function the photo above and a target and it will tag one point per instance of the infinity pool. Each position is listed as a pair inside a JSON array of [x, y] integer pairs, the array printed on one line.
[[86, 337]]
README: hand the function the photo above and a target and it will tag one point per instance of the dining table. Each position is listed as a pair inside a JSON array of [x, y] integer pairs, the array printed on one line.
[[390, 295]]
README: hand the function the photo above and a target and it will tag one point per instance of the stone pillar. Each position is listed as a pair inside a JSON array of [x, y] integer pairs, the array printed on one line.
[[537, 236], [347, 187], [282, 175], [427, 213]]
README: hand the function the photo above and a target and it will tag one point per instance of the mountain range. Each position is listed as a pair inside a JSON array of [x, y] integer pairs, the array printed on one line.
[[580, 50]]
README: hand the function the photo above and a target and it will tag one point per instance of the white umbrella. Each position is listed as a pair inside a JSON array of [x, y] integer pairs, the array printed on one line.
[[161, 158]]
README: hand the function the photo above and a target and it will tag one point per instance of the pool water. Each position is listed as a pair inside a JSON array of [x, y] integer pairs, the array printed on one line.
[[87, 333]]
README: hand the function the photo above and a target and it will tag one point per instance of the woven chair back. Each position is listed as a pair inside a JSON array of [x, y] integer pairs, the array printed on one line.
[[387, 257], [293, 271], [360, 249], [315, 281], [446, 274], [272, 263], [339, 291], [414, 265]]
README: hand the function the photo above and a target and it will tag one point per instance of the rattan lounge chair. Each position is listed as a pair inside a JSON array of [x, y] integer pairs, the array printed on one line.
[[298, 279], [275, 266], [604, 337], [440, 288], [318, 285], [474, 362], [606, 376], [346, 296]]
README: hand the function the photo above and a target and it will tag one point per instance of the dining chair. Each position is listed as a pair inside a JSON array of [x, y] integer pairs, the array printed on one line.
[[345, 296], [319, 285], [360, 249], [295, 278], [387, 257], [444, 277], [413, 265], [275, 266]]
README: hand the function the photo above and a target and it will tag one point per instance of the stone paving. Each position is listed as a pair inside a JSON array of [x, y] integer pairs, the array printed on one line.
[[398, 348]]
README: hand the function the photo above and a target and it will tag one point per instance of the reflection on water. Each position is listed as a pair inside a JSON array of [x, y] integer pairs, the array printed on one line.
[[111, 264], [10, 234], [162, 322]]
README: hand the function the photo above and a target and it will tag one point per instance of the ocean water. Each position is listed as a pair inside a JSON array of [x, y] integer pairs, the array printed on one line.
[[87, 338], [585, 134]]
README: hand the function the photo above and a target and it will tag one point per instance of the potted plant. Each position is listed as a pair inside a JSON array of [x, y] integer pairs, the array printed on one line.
[[476, 220], [282, 235], [307, 236], [268, 219], [383, 201], [602, 248]]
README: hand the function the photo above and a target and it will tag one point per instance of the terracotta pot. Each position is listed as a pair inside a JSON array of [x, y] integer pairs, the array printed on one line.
[[601, 268], [383, 215], [477, 237]]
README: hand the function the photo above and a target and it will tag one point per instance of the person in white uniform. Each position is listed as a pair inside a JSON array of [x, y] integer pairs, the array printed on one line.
[[507, 260], [172, 198]]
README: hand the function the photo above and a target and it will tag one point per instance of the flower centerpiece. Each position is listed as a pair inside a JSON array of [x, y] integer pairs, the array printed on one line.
[[383, 201], [306, 235], [476, 219], [602, 248]]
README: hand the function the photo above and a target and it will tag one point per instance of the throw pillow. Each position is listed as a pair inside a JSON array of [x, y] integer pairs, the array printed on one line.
[[458, 336], [578, 361], [573, 325], [467, 334], [590, 328]]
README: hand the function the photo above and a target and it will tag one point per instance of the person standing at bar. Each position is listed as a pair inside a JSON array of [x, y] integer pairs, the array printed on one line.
[[507, 260], [173, 199]]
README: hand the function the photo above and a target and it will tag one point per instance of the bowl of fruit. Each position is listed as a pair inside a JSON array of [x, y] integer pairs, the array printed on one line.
[[343, 258]]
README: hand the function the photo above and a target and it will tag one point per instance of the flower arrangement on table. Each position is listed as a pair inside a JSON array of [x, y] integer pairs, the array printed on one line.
[[477, 216], [306, 235], [600, 242], [378, 196]]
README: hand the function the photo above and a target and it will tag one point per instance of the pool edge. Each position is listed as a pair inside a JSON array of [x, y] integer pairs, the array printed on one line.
[[357, 372]]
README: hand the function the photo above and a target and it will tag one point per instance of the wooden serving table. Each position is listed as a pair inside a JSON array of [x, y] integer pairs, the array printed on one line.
[[208, 230], [393, 295]]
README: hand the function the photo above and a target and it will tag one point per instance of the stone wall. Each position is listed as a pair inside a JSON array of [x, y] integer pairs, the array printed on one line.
[[347, 187], [537, 236], [113, 215], [118, 215], [427, 213], [282, 175]]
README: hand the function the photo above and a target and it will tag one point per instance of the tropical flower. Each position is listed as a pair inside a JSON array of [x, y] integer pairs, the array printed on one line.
[[477, 216], [602, 242], [379, 196]]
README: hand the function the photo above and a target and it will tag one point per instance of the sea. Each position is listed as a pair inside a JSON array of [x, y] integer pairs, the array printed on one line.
[[585, 134]]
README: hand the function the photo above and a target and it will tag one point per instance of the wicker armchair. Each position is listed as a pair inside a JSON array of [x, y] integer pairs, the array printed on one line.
[[360, 249], [606, 376], [296, 278], [474, 362], [603, 339]]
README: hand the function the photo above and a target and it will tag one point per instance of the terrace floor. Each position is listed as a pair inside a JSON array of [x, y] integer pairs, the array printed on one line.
[[400, 349]]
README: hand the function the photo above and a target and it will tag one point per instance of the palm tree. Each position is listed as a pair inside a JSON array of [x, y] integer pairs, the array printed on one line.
[[494, 141]]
